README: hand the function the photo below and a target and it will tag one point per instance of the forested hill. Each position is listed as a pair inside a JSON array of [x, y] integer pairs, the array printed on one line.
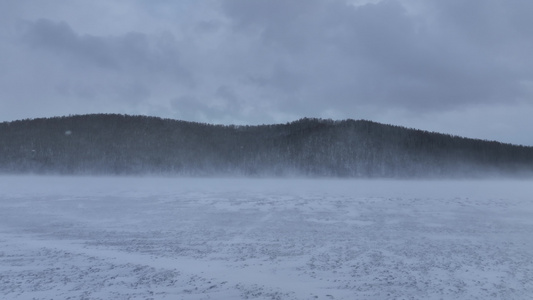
[[121, 144]]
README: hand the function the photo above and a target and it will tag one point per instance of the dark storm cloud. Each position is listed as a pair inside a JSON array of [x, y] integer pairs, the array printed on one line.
[[464, 67], [133, 52], [72, 72], [381, 53]]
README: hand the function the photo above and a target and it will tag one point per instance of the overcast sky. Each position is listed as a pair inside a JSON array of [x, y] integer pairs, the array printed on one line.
[[452, 66]]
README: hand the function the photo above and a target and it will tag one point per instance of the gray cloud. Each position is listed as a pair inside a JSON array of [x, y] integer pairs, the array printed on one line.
[[387, 56], [409, 62], [133, 53]]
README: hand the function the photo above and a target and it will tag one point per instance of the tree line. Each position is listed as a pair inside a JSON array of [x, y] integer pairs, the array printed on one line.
[[123, 144]]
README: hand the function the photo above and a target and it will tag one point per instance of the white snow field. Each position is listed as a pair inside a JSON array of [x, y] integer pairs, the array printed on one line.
[[176, 238]]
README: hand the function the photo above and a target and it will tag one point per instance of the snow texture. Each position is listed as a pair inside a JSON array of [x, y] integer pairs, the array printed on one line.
[[176, 238]]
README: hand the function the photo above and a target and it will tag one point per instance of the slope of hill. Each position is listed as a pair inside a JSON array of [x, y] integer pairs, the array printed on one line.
[[121, 144]]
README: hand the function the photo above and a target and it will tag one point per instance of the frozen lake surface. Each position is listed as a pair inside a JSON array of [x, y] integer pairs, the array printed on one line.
[[168, 238]]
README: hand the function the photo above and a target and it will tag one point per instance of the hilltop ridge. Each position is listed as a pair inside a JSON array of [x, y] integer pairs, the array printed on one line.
[[124, 144]]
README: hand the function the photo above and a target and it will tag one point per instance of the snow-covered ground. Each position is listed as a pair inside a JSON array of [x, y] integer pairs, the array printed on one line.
[[175, 238]]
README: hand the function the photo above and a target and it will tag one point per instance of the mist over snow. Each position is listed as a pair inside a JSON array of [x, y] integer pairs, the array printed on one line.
[[457, 67], [169, 238], [218, 207]]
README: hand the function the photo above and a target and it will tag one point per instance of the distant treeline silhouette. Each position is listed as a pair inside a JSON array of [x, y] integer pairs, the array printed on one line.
[[122, 144]]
